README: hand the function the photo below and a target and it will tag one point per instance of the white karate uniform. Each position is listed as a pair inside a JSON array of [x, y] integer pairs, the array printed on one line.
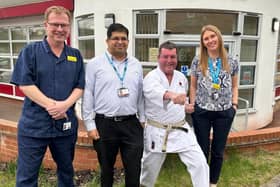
[[155, 85]]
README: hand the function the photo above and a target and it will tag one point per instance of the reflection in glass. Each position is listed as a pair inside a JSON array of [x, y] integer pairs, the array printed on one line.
[[247, 74], [16, 47], [4, 34], [87, 48], [147, 69], [4, 48], [251, 25], [5, 63], [18, 33], [147, 23], [86, 26], [5, 76], [248, 50], [185, 57], [36, 33], [143, 48], [247, 94], [191, 22]]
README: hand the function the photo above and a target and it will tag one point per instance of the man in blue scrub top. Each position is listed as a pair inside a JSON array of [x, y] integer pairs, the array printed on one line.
[[51, 75]]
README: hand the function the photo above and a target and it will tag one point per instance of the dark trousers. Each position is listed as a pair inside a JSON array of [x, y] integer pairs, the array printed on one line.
[[31, 152], [124, 136], [220, 121]]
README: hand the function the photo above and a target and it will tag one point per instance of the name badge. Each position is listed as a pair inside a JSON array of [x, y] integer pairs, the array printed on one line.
[[216, 86], [72, 58], [123, 92], [66, 126]]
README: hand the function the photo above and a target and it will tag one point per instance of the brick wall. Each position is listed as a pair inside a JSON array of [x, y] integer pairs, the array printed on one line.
[[85, 156]]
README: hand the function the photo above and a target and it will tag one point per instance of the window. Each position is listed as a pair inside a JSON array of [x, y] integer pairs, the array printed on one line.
[[86, 42], [277, 73], [191, 21], [147, 36]]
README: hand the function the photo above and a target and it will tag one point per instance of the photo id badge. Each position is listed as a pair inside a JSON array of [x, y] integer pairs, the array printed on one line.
[[123, 92], [66, 126]]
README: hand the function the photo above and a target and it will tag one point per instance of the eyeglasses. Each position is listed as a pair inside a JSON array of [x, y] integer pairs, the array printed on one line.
[[56, 25], [123, 39]]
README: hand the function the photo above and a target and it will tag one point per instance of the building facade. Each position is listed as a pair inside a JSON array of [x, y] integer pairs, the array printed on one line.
[[249, 29]]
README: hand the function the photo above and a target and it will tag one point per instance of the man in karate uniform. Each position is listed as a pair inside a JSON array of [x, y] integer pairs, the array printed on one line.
[[166, 130]]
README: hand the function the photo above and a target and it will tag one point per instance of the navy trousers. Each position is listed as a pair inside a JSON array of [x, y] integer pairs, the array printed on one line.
[[220, 121], [124, 136], [31, 152]]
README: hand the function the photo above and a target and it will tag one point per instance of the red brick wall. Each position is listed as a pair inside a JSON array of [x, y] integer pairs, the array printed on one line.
[[85, 156]]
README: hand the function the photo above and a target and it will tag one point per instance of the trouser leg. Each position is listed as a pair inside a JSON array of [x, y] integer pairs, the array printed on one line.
[[62, 150], [196, 165], [151, 165], [221, 128], [31, 152]]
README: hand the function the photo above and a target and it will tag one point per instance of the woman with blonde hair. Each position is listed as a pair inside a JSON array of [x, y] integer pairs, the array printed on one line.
[[213, 97]]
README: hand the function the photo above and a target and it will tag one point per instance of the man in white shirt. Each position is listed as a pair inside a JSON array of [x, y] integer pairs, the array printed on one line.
[[166, 130], [112, 98]]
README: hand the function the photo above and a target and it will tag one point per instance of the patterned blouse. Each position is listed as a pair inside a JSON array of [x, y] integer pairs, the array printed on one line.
[[208, 97]]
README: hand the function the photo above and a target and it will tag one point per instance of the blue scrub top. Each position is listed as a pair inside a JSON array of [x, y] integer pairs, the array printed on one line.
[[56, 78]]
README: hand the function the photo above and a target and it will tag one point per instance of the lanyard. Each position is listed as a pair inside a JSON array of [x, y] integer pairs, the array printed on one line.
[[214, 72], [117, 72]]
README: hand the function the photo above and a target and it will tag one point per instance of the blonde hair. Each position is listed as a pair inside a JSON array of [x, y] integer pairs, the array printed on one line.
[[57, 10], [203, 50]]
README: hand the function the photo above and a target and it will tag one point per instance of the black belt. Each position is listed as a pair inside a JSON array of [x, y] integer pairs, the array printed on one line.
[[116, 118]]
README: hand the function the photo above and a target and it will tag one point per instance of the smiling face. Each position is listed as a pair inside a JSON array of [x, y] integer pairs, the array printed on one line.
[[167, 60], [117, 44], [210, 41], [57, 28]]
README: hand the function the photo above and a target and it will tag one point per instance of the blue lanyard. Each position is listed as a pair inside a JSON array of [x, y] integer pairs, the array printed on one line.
[[114, 67], [214, 72]]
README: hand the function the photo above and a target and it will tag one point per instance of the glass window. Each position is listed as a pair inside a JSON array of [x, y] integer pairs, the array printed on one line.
[[248, 50], [247, 94], [277, 80], [145, 49], [5, 63], [5, 76], [36, 33], [147, 23], [86, 26], [191, 21], [4, 48], [251, 25], [19, 33], [16, 47], [4, 34], [87, 48], [247, 74], [86, 36]]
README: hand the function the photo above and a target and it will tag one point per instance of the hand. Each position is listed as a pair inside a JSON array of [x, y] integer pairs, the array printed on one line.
[[178, 98], [143, 124], [93, 134], [58, 110], [189, 108], [235, 107]]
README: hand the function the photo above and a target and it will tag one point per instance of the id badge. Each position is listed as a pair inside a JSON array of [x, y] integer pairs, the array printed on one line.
[[123, 92], [216, 86], [215, 96], [66, 126]]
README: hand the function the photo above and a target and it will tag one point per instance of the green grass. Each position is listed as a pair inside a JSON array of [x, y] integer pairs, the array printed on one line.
[[239, 170]]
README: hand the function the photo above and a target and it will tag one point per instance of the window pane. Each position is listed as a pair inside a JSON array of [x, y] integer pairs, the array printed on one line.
[[18, 34], [147, 69], [36, 33], [277, 80], [5, 76], [87, 48], [248, 50], [17, 47], [5, 63], [86, 26], [247, 94], [147, 23], [4, 48], [191, 22], [247, 74], [251, 25], [144, 47], [4, 35], [14, 61]]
